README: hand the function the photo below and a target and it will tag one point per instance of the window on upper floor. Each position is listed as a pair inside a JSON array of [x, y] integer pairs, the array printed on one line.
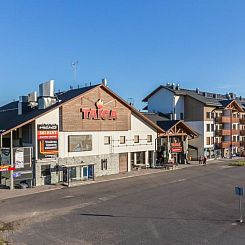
[[212, 127], [122, 139], [149, 138], [136, 139], [181, 116], [208, 127], [107, 140]]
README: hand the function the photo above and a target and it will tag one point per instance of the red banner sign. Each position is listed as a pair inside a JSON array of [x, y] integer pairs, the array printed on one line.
[[6, 168], [177, 149]]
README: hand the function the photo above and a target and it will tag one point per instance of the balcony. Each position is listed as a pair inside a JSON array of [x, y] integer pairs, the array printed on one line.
[[227, 132], [242, 132], [228, 144], [227, 119], [242, 120]]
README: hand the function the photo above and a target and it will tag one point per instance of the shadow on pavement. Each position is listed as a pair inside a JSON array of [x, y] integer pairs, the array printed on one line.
[[157, 218]]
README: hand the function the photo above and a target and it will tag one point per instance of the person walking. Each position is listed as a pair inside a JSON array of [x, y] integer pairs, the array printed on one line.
[[205, 160], [200, 159]]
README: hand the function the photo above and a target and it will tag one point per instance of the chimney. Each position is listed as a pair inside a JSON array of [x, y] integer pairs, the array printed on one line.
[[46, 95], [173, 85], [32, 99], [197, 90], [22, 105], [104, 82], [177, 87]]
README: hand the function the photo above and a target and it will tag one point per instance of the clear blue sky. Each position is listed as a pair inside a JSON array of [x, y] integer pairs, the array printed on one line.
[[137, 45]]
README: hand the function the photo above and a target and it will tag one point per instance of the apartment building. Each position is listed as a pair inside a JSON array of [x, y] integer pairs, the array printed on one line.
[[219, 119]]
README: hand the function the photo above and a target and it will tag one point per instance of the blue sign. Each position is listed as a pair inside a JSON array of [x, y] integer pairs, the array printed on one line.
[[16, 175], [239, 191]]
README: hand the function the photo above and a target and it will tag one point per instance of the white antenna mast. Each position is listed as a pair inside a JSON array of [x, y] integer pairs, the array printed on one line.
[[74, 67]]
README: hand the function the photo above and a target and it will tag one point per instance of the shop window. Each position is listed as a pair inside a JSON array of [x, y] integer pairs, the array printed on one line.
[[45, 170], [107, 140], [103, 164], [136, 139], [79, 143], [149, 138], [122, 139]]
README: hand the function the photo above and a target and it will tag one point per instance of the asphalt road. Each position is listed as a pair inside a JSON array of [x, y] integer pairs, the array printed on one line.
[[189, 206]]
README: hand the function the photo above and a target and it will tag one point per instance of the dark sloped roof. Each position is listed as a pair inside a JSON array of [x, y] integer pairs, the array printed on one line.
[[167, 125], [154, 117], [9, 117], [209, 99]]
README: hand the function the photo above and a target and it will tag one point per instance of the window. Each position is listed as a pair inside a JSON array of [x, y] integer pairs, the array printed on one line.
[[149, 138], [103, 164], [208, 115], [208, 127], [150, 157], [212, 140], [122, 139], [45, 170], [181, 116], [212, 127], [234, 138], [78, 143], [107, 140], [136, 139], [207, 140], [234, 126]]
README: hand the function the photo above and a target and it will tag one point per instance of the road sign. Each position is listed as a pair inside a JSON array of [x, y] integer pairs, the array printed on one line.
[[239, 191]]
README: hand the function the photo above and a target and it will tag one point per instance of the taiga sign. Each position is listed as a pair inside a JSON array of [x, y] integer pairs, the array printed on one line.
[[99, 113]]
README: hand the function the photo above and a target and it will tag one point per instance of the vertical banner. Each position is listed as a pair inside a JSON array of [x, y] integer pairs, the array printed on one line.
[[47, 136]]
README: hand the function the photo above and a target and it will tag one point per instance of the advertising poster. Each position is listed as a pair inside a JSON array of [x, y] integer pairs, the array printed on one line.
[[5, 156], [78, 143], [19, 158], [47, 136]]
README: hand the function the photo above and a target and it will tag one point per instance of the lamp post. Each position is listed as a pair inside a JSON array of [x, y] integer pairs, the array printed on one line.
[[231, 133]]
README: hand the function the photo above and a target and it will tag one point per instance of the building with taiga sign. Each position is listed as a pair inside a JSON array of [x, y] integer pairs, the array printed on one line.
[[82, 133], [75, 135]]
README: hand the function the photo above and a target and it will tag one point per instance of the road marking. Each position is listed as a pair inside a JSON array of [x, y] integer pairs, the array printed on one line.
[[176, 181], [65, 197]]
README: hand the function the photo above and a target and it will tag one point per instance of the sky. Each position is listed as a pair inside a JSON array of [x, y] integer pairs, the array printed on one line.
[[136, 45]]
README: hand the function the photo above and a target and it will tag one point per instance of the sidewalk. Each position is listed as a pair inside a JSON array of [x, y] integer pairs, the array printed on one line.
[[6, 193]]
